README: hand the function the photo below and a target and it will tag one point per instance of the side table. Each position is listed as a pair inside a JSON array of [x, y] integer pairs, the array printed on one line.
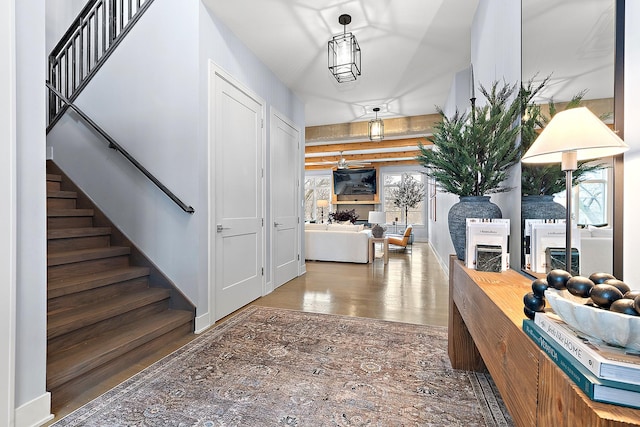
[[372, 248]]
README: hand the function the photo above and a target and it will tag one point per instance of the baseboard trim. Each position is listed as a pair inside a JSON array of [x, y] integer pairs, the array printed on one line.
[[443, 264], [202, 323], [34, 413]]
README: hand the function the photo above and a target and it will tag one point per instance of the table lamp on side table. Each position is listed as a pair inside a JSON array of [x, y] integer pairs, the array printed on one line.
[[377, 218], [571, 136], [322, 204]]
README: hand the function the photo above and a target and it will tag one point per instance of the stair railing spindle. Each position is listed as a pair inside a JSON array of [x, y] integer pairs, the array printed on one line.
[[87, 44]]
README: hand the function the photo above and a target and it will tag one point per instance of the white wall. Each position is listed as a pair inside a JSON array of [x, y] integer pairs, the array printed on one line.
[[59, 15], [7, 212], [632, 138], [495, 55], [31, 397], [151, 96]]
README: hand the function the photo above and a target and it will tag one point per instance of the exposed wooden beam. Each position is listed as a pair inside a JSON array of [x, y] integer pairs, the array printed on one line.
[[367, 145], [394, 127], [375, 164], [364, 157]]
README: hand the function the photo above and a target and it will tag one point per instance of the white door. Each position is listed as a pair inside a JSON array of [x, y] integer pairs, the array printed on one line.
[[285, 190], [238, 229]]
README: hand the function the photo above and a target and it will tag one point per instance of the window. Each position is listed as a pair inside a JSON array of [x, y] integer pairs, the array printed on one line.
[[590, 198], [391, 181], [591, 203], [316, 188]]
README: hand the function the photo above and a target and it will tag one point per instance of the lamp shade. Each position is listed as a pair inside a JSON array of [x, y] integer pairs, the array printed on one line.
[[574, 130], [322, 203], [377, 217]]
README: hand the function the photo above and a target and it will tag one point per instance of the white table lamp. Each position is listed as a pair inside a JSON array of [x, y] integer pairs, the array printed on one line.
[[573, 135], [377, 218], [322, 204]]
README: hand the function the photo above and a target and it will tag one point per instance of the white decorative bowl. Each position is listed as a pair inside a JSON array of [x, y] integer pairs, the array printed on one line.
[[613, 328]]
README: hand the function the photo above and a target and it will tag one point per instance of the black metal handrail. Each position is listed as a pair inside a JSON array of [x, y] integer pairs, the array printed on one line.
[[114, 145], [89, 41]]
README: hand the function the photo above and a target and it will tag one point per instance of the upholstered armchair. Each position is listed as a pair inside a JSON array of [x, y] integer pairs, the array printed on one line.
[[400, 242]]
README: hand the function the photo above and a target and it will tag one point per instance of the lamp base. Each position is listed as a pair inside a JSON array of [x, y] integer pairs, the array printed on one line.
[[377, 231]]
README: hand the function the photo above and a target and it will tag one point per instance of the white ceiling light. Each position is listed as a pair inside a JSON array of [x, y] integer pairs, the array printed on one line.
[[344, 54], [376, 127]]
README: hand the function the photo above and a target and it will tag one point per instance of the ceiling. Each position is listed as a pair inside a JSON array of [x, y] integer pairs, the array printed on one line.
[[411, 50]]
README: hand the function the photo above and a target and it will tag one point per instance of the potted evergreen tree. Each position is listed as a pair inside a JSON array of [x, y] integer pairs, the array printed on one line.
[[472, 154]]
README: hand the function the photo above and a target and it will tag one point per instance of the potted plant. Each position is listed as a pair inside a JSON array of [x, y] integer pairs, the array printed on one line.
[[472, 154], [409, 193], [342, 216]]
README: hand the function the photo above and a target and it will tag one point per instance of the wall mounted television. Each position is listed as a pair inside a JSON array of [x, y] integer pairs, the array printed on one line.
[[354, 181]]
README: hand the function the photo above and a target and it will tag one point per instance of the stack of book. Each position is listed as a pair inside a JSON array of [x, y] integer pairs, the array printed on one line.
[[544, 234], [605, 373], [487, 244]]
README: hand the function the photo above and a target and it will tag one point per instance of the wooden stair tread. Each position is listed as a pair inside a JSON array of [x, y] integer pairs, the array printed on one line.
[[95, 280], [62, 194], [78, 360], [69, 212], [54, 177], [70, 319], [68, 257], [66, 233]]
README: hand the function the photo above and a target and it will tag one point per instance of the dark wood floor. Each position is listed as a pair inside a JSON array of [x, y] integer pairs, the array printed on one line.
[[411, 288]]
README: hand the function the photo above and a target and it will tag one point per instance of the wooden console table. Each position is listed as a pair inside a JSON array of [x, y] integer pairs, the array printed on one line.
[[485, 332]]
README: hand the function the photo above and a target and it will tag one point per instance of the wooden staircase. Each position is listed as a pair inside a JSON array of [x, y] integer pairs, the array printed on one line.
[[103, 312]]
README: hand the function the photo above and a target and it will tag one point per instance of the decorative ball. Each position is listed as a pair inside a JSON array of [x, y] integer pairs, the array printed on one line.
[[624, 306], [604, 295], [529, 313], [598, 278], [580, 286], [623, 287], [631, 294], [557, 279], [539, 286], [533, 302], [636, 303]]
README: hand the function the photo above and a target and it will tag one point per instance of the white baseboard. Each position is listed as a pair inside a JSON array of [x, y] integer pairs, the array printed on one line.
[[268, 288], [443, 263], [34, 413], [202, 323]]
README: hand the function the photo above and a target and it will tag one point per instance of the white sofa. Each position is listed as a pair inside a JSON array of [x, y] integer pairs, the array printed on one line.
[[336, 242], [596, 250]]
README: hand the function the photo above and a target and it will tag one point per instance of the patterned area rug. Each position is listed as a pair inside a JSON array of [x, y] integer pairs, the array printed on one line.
[[274, 367]]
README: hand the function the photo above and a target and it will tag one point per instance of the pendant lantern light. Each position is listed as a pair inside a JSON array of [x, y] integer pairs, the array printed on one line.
[[376, 127], [344, 54]]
